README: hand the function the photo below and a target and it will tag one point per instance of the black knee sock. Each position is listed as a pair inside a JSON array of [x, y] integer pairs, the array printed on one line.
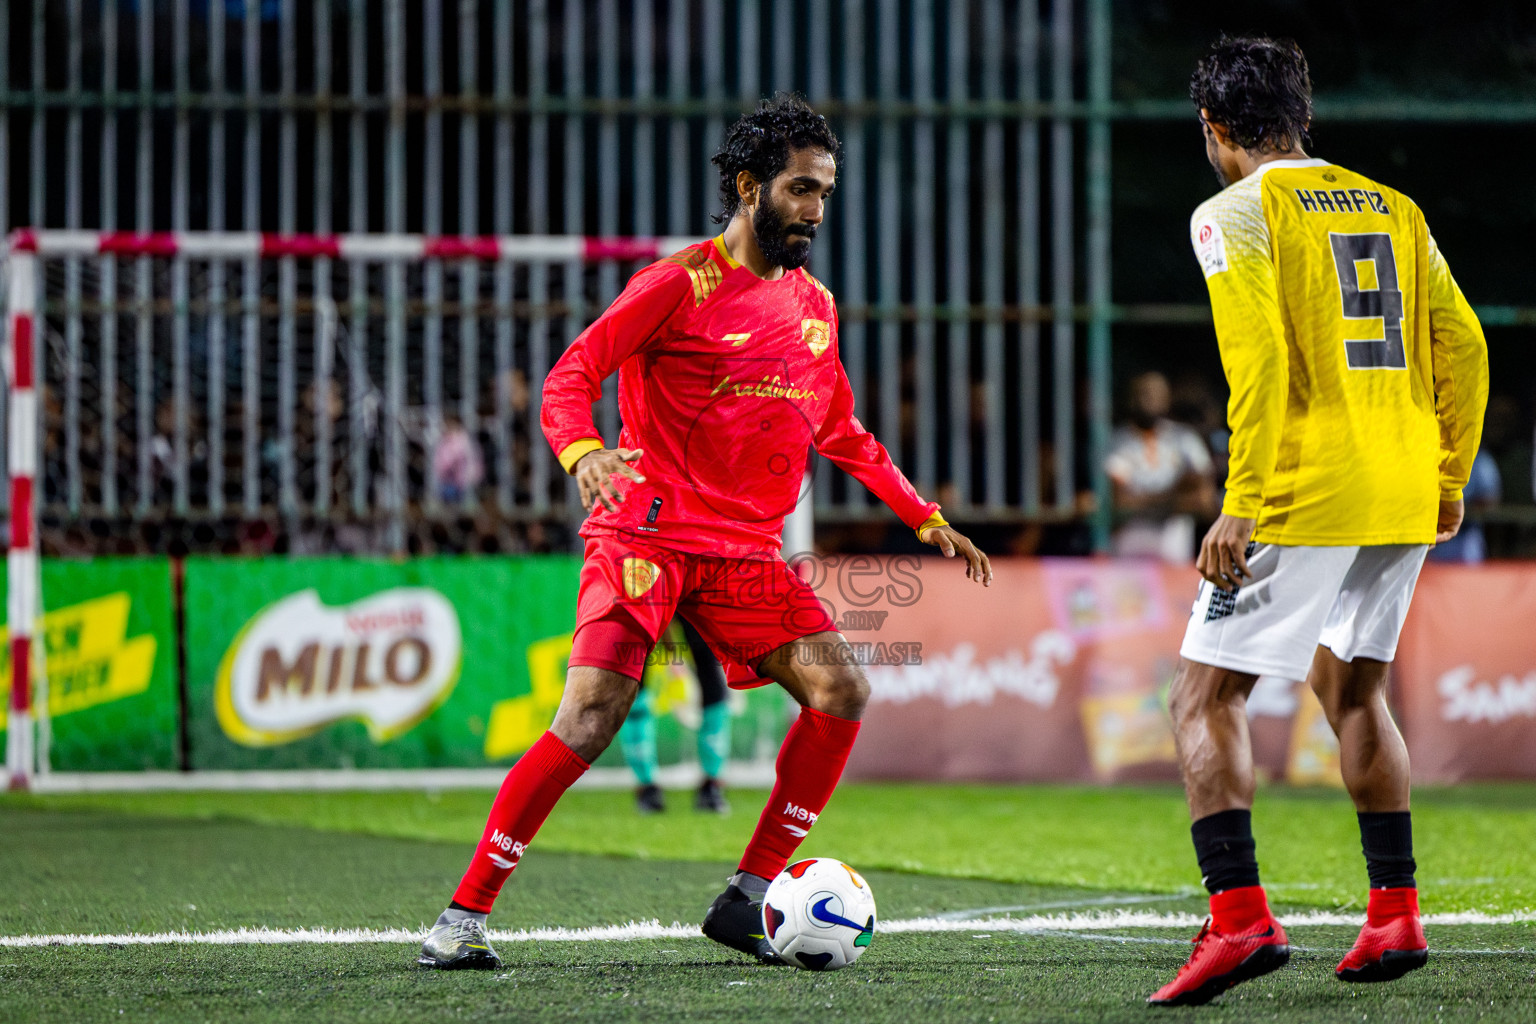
[[1224, 847], [1387, 838]]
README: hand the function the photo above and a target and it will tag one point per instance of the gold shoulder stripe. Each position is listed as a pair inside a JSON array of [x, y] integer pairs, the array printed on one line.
[[703, 272], [690, 257], [821, 287], [710, 278]]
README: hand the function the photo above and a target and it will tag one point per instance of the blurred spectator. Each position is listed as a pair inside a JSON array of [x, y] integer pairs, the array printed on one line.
[[1507, 439], [1484, 490], [457, 467], [1161, 474], [1196, 403]]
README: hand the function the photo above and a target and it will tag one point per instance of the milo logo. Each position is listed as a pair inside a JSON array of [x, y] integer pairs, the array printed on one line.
[[298, 666]]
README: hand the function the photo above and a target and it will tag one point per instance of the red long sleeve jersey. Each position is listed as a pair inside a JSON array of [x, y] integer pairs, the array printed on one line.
[[725, 381]]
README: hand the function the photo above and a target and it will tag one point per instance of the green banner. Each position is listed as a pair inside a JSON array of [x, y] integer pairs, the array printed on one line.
[[109, 651], [433, 662]]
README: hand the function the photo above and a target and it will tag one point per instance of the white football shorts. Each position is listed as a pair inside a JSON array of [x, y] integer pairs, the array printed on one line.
[[1352, 600]]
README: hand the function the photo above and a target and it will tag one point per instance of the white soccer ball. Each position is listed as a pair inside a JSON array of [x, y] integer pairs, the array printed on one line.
[[819, 914]]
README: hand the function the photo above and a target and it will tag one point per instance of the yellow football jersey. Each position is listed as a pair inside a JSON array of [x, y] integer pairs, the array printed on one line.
[[1358, 371]]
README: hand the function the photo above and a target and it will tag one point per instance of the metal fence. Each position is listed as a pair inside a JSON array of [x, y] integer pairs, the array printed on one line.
[[971, 273], [225, 379]]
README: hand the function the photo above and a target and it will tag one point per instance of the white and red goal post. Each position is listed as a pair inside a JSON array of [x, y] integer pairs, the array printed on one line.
[[31, 253], [23, 603]]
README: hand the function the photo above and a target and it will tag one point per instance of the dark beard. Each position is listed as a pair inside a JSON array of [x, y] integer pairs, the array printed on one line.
[[772, 234], [1220, 177]]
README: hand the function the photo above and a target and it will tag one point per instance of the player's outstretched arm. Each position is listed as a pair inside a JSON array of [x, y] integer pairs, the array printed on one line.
[[843, 440], [651, 299], [595, 472], [952, 542]]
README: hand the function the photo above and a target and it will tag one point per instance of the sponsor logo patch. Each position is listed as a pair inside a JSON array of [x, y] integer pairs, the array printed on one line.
[[817, 335], [1210, 247], [640, 576]]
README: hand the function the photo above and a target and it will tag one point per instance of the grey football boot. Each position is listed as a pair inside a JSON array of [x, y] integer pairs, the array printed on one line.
[[459, 945]]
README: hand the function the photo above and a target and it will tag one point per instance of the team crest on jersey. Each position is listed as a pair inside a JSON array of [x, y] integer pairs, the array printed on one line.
[[1210, 247], [639, 576], [817, 334]]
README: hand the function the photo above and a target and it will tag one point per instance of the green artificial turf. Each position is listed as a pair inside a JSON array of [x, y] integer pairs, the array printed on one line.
[[1473, 843], [142, 864], [921, 978]]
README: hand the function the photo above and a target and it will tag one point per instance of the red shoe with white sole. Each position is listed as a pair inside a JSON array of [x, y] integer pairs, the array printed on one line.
[[1227, 953], [1392, 942]]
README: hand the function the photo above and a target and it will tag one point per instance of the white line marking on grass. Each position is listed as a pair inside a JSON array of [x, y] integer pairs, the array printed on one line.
[[1117, 919], [1055, 923], [1102, 901]]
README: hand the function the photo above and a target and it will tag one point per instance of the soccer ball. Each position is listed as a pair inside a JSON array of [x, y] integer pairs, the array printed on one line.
[[819, 914]]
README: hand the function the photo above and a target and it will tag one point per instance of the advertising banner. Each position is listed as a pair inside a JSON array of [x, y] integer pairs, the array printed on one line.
[[1057, 672], [108, 647], [431, 662], [1466, 674]]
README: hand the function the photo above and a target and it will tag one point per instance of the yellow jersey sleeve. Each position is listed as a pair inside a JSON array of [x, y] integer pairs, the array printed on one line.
[[1460, 356], [1231, 241]]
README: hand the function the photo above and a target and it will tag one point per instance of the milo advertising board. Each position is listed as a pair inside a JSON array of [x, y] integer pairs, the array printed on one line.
[[108, 646], [426, 663]]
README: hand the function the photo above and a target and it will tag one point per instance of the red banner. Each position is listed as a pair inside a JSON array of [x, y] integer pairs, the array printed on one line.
[[1060, 671], [1466, 673]]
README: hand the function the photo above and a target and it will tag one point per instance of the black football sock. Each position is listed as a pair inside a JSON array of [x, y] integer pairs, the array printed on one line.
[[1387, 838], [1224, 846]]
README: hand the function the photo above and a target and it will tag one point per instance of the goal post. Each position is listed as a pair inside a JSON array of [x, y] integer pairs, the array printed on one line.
[[22, 592], [103, 336]]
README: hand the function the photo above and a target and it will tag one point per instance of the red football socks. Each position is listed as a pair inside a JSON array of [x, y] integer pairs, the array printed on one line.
[[529, 792], [1386, 904], [1235, 909], [810, 763]]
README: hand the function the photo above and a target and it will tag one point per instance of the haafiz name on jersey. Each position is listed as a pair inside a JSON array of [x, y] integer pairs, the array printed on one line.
[[853, 652], [1342, 200]]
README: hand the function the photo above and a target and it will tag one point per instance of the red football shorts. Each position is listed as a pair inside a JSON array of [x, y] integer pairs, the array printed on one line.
[[743, 607]]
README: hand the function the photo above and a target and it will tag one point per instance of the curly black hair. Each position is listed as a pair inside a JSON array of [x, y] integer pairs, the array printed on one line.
[[760, 142], [1258, 89]]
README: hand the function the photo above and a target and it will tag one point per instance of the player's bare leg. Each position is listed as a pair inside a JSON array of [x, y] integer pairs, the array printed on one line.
[[1372, 754], [1242, 940], [822, 674], [1209, 706], [1374, 761], [593, 707]]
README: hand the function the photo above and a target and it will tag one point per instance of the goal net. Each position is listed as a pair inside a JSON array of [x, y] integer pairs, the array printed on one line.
[[179, 405]]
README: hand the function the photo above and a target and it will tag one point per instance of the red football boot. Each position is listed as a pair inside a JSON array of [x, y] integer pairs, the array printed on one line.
[[1392, 942], [1241, 940]]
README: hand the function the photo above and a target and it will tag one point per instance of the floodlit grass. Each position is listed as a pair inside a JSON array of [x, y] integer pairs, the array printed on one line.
[[144, 864], [1473, 843]]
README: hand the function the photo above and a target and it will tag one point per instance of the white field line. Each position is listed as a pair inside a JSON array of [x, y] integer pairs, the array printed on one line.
[[749, 775], [1060, 923]]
